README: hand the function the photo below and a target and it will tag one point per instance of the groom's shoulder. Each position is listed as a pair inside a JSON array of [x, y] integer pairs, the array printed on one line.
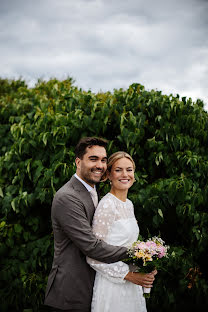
[[67, 188], [70, 188], [67, 196]]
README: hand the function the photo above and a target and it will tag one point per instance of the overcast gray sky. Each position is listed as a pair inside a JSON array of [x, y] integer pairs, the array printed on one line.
[[107, 44]]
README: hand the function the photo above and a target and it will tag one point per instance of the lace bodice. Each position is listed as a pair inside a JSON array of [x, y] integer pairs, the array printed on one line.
[[115, 223]]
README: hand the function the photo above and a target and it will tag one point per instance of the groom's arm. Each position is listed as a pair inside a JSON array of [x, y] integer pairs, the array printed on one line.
[[69, 213]]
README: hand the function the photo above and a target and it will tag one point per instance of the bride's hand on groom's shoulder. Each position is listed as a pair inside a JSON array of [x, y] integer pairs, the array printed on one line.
[[142, 279]]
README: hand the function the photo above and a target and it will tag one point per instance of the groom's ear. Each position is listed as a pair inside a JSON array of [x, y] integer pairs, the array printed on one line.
[[77, 162]]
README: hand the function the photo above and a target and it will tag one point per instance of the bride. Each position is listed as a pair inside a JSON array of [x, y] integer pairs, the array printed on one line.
[[115, 223]]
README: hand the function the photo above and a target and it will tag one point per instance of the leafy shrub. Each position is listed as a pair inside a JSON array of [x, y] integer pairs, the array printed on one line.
[[167, 137]]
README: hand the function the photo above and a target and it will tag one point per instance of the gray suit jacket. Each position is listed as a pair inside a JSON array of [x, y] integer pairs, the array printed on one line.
[[70, 282]]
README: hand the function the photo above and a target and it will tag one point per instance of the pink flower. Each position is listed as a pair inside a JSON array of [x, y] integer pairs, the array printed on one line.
[[151, 244], [141, 245], [161, 251]]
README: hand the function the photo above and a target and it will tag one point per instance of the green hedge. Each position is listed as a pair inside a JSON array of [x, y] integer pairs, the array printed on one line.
[[168, 139]]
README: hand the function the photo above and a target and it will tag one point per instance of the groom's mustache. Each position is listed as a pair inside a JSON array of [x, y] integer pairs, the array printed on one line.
[[98, 169]]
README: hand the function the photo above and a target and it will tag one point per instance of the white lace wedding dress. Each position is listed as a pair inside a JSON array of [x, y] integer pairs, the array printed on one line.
[[115, 223]]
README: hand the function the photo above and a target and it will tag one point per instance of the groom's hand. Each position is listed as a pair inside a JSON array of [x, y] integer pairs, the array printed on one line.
[[142, 279]]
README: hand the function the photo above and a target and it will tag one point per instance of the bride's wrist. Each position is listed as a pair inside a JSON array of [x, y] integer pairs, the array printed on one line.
[[129, 276]]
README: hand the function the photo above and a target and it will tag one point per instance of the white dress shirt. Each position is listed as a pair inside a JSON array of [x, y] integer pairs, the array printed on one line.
[[91, 190]]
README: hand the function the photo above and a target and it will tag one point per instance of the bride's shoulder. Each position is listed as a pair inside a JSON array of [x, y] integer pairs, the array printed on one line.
[[106, 201], [106, 198], [129, 203]]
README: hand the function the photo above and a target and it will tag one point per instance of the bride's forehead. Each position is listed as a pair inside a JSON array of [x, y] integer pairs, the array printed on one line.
[[123, 162]]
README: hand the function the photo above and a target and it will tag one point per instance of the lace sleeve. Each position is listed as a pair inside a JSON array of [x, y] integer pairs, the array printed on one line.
[[104, 217]]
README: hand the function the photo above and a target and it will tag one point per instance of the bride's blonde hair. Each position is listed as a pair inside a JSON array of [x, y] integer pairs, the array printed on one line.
[[113, 158]]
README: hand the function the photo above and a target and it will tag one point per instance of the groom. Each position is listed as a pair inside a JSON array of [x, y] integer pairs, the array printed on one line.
[[70, 282]]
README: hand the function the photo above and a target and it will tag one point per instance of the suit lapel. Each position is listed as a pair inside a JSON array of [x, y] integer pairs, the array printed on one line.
[[83, 195]]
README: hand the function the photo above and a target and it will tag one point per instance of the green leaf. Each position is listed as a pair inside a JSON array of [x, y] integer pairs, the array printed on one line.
[[160, 212], [45, 138], [13, 205], [10, 242], [18, 228], [2, 224], [159, 158]]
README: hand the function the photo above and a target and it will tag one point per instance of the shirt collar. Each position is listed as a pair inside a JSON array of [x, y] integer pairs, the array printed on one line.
[[88, 187]]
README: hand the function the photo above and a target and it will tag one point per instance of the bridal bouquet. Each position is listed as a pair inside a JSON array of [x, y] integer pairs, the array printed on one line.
[[147, 256]]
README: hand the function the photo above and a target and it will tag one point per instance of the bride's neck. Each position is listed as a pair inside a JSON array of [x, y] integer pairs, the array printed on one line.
[[120, 194]]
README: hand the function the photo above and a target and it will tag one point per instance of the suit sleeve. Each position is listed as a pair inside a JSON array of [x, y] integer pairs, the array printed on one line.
[[69, 212], [104, 218]]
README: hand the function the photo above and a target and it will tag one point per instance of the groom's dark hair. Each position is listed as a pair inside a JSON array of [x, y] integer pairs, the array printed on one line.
[[83, 143]]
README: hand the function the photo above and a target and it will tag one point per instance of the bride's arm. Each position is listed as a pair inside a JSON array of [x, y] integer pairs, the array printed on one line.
[[103, 219]]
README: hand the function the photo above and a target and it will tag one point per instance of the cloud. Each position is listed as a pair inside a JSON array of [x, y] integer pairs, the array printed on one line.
[[108, 44]]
